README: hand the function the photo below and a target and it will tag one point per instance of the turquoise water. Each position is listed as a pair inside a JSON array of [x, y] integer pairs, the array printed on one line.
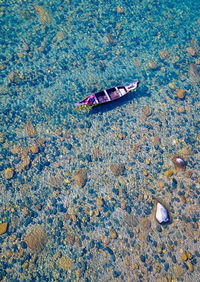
[[78, 188]]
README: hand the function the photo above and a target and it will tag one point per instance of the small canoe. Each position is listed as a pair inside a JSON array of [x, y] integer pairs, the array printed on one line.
[[108, 95]]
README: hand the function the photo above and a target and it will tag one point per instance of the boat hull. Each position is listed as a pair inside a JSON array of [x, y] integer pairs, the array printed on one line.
[[108, 95]]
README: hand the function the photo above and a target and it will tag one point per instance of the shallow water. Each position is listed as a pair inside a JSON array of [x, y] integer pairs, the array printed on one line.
[[79, 187]]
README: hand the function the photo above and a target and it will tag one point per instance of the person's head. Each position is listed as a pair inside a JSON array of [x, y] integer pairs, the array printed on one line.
[[91, 100]]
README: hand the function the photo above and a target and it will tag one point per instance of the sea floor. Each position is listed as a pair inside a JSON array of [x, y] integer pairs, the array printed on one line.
[[79, 187]]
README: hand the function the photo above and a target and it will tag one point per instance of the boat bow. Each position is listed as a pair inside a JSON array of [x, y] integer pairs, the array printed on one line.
[[132, 86]]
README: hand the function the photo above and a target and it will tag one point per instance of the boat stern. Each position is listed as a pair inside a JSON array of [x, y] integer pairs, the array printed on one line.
[[78, 104], [89, 101]]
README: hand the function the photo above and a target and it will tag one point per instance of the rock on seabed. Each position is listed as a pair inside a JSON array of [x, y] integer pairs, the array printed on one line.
[[117, 169], [65, 263], [30, 130], [194, 73], [180, 93], [161, 213], [3, 228], [9, 172], [43, 14], [36, 238], [80, 177]]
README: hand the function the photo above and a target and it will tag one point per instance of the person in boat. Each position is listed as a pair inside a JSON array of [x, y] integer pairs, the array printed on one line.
[[90, 100], [115, 94]]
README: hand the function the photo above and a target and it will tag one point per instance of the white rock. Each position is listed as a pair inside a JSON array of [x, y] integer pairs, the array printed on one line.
[[162, 214]]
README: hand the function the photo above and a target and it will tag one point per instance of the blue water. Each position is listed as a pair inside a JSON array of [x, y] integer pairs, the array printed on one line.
[[99, 225]]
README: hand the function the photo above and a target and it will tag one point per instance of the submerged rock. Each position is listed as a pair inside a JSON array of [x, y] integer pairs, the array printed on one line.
[[131, 220], [3, 228], [145, 225], [14, 77], [34, 149], [43, 14], [178, 270], [180, 93], [164, 54], [161, 213], [80, 177], [169, 173], [25, 164], [30, 130], [36, 238], [194, 74], [113, 234], [146, 110], [117, 169], [179, 162], [153, 65], [9, 172], [66, 263], [100, 201], [70, 239]]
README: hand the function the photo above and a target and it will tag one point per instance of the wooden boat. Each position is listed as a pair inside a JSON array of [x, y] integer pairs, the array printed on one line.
[[108, 95]]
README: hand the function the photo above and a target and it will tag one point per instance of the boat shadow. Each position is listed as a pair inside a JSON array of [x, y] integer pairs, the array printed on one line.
[[143, 91]]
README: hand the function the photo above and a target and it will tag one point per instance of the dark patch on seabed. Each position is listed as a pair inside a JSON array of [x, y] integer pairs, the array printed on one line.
[[109, 193]]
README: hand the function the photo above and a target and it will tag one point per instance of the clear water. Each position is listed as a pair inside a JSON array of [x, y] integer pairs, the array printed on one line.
[[54, 54]]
